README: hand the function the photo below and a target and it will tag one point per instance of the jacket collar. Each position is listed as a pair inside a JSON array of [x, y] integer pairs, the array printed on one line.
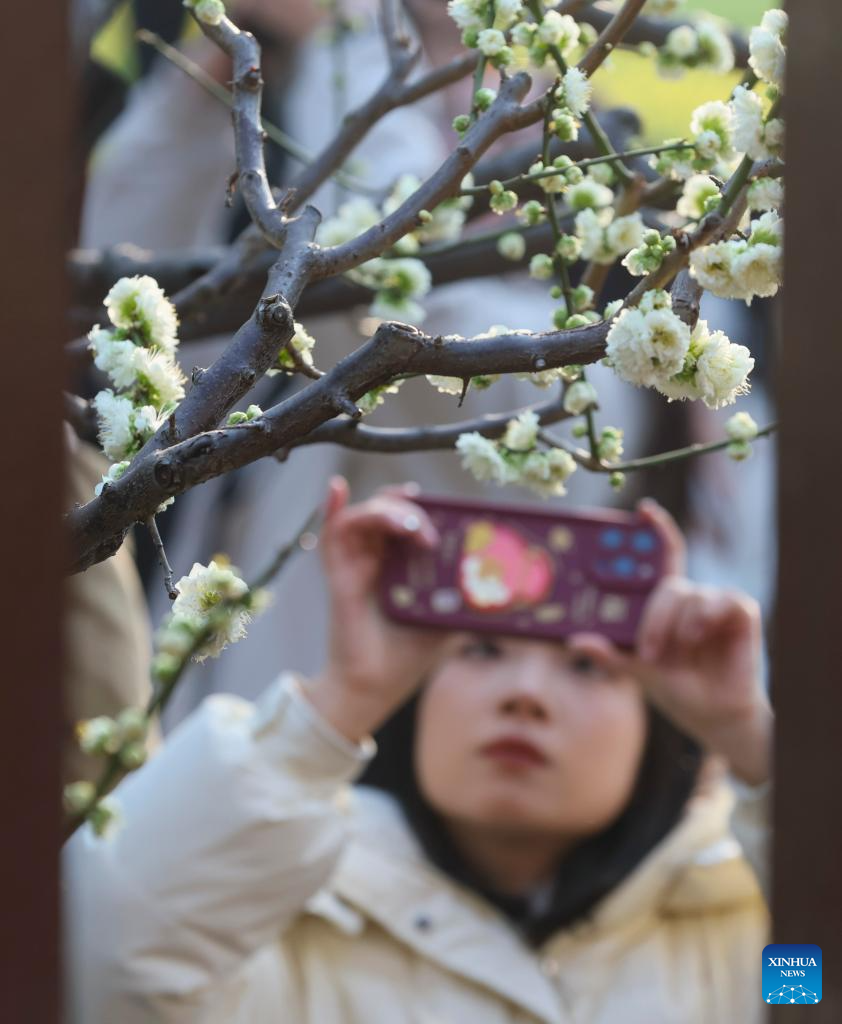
[[385, 876]]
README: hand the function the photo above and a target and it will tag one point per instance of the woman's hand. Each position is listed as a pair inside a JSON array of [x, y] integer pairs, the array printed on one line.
[[698, 658], [373, 664]]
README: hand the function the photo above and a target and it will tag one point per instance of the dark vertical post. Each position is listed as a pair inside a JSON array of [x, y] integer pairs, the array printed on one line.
[[36, 135], [807, 898]]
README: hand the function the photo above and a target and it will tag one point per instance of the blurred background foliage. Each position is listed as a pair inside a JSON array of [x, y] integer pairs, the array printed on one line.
[[627, 79]]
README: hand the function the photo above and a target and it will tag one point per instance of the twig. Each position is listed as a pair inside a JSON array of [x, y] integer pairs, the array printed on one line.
[[152, 527], [613, 33], [207, 82], [114, 769], [244, 52], [677, 454], [504, 115], [442, 436]]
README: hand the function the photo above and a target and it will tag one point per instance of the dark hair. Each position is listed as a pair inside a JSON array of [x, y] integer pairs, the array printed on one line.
[[667, 775]]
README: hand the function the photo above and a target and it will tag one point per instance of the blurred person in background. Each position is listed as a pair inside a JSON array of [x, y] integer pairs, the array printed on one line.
[[548, 832]]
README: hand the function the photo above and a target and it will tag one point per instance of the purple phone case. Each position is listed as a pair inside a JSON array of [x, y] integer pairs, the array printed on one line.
[[523, 571]]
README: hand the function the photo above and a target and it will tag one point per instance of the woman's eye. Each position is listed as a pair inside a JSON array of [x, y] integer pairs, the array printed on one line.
[[585, 665], [480, 647]]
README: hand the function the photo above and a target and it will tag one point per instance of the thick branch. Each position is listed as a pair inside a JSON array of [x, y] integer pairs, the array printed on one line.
[[396, 350]]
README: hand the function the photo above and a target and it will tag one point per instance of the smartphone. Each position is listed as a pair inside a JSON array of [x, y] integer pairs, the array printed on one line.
[[525, 571]]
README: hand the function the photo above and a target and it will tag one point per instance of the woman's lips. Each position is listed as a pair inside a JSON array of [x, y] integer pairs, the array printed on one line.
[[514, 751]]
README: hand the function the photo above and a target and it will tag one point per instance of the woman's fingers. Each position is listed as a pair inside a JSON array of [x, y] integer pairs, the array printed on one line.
[[389, 515], [668, 530], [658, 620]]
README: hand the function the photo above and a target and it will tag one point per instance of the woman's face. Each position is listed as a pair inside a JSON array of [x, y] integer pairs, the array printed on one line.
[[528, 737]]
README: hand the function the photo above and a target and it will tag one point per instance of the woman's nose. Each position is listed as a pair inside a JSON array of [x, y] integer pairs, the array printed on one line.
[[523, 705]]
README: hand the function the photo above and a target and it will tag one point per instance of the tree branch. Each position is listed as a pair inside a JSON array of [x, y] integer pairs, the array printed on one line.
[[252, 181], [395, 350]]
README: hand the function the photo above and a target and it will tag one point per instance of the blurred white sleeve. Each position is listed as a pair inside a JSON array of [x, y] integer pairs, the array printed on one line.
[[751, 825], [225, 835]]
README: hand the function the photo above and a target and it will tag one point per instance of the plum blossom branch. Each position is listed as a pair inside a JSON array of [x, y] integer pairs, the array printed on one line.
[[252, 181]]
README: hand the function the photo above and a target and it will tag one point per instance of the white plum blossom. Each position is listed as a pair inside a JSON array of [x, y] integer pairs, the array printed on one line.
[[711, 125], [702, 46], [751, 134], [521, 433], [546, 473], [589, 194], [482, 458], [377, 396], [467, 13], [605, 238], [511, 246], [112, 476], [579, 396], [302, 343], [577, 91], [682, 42], [114, 356], [139, 304], [767, 53], [743, 268], [490, 42], [123, 427], [741, 427], [716, 370], [648, 344], [351, 219], [158, 378], [765, 194], [698, 189], [200, 592], [559, 30], [722, 371]]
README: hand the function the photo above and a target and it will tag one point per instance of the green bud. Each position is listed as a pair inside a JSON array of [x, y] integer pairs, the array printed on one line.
[[77, 796], [424, 216], [579, 429], [565, 128], [470, 37], [503, 202], [165, 667], [133, 755], [483, 98], [132, 723], [556, 291], [573, 175], [253, 411], [739, 450], [582, 297], [577, 320], [237, 417], [541, 267], [569, 247], [560, 320], [617, 480], [532, 212], [503, 58], [651, 237], [495, 187], [461, 123]]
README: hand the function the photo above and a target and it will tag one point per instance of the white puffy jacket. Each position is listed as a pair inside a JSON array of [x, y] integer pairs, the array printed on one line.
[[248, 884]]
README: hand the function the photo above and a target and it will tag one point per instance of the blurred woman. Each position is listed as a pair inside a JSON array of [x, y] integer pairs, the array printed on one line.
[[550, 834]]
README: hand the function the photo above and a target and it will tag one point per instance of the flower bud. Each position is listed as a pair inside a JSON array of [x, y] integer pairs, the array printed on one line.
[[461, 123]]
